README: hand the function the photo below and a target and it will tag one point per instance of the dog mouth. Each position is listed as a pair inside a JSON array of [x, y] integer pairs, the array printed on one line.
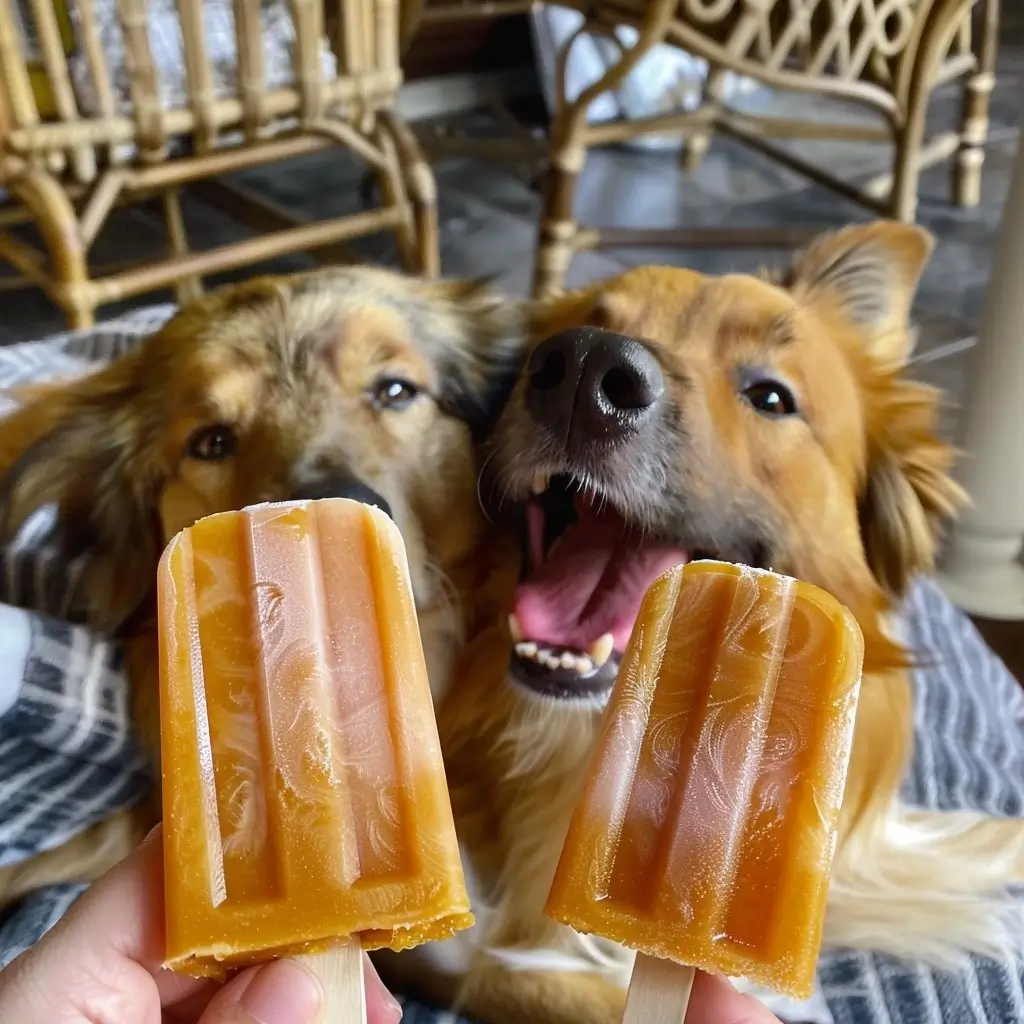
[[587, 565]]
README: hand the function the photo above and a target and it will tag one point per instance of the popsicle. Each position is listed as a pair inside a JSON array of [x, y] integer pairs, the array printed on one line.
[[304, 795], [706, 829]]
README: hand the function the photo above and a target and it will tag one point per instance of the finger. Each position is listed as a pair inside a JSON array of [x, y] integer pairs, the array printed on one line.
[[127, 907], [281, 992], [381, 1005], [54, 985], [714, 1001], [103, 957], [116, 925]]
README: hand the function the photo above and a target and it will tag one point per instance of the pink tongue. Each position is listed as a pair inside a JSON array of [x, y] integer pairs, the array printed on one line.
[[591, 583]]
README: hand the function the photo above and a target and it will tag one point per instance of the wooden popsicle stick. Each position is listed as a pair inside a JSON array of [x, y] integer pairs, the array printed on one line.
[[659, 991], [340, 971]]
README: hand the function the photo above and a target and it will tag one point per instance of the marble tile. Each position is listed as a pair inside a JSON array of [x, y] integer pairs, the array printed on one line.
[[478, 239], [325, 184], [492, 183], [487, 216], [813, 209], [956, 277], [732, 173]]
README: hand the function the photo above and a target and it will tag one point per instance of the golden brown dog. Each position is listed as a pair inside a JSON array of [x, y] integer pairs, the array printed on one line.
[[667, 416], [347, 382]]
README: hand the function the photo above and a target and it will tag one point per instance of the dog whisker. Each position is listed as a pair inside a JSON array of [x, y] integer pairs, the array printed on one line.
[[448, 593], [481, 504]]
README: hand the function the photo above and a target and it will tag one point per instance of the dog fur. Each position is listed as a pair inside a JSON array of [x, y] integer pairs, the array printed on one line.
[[268, 390], [850, 500], [849, 495]]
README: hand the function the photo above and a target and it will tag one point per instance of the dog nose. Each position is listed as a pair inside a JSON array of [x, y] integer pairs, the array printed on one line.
[[342, 486], [593, 384]]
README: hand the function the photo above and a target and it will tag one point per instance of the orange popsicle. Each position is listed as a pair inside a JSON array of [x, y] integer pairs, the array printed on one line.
[[303, 791], [706, 830]]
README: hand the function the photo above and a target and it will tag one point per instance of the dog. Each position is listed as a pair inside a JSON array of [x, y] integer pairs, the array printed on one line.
[[663, 416], [345, 382]]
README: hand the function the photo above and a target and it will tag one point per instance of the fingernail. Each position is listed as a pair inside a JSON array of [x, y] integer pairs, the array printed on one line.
[[377, 991], [283, 993]]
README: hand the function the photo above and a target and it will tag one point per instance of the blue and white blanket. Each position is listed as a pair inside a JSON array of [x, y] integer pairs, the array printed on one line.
[[67, 758]]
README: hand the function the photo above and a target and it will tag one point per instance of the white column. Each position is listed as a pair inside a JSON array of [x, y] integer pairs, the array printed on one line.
[[982, 572]]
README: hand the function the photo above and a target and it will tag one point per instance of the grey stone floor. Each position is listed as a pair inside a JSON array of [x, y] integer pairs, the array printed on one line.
[[489, 213]]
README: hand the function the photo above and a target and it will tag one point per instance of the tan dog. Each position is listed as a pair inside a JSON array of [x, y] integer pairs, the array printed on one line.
[[668, 416], [349, 382]]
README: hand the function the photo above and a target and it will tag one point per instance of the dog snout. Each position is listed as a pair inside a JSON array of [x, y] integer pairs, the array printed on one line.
[[587, 384], [342, 485]]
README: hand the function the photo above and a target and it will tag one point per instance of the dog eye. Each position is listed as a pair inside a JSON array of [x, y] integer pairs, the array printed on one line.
[[393, 393], [212, 443], [771, 398]]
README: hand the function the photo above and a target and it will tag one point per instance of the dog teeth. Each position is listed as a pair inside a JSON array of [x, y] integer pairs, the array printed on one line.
[[540, 483], [584, 665], [581, 664], [515, 629], [601, 650]]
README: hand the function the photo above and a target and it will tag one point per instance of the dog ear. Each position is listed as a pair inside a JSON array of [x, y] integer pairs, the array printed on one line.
[[82, 453], [480, 369], [908, 492], [871, 273]]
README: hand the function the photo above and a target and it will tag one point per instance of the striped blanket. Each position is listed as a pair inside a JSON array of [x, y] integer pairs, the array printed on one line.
[[67, 758]]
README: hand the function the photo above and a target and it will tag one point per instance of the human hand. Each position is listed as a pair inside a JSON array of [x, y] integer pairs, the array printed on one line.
[[101, 965], [713, 1000]]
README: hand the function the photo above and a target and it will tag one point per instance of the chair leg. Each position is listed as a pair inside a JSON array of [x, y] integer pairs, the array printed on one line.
[[695, 148], [697, 145], [934, 44], [909, 138], [555, 245], [80, 318], [390, 181], [558, 236], [567, 155], [58, 224], [191, 287], [965, 173], [420, 242], [906, 175]]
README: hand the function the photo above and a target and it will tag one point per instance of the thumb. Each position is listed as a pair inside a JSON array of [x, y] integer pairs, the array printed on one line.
[[280, 992], [715, 1001]]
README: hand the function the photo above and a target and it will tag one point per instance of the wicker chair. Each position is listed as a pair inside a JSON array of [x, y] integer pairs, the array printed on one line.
[[889, 55], [67, 159]]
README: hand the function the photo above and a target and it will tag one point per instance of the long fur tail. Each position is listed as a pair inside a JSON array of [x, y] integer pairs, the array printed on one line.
[[931, 886]]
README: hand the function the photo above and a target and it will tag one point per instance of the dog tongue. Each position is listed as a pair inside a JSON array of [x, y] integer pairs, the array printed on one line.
[[591, 583]]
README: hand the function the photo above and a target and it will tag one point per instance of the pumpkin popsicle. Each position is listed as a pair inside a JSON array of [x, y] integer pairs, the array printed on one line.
[[303, 790], [706, 829]]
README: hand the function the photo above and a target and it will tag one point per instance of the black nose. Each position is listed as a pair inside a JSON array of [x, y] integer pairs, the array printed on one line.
[[588, 384], [341, 486]]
